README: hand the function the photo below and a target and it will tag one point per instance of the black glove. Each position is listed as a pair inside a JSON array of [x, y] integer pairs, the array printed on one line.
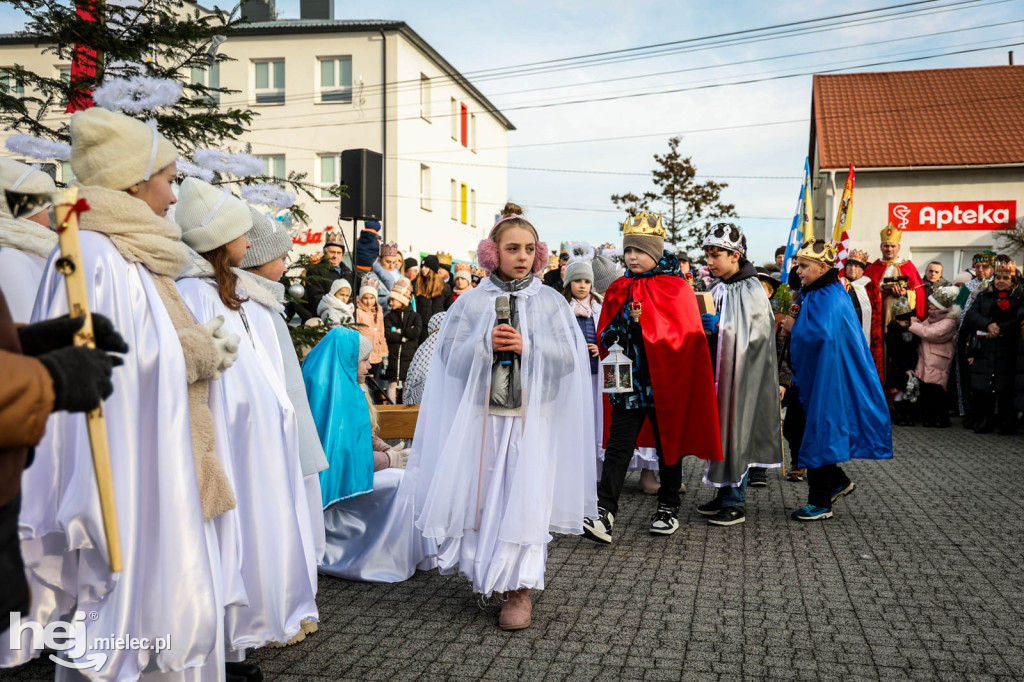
[[49, 335], [81, 377], [612, 337]]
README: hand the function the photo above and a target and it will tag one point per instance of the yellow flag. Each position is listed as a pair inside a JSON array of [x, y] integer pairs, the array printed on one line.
[[844, 216]]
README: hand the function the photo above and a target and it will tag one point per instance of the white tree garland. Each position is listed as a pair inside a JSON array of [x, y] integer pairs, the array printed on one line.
[[192, 170], [268, 195], [239, 164], [39, 149], [137, 94]]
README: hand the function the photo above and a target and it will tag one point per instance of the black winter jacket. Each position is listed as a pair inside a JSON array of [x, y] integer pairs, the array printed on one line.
[[995, 360], [402, 330]]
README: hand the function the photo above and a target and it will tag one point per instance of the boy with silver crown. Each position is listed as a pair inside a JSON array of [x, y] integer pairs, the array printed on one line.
[[652, 313], [746, 372]]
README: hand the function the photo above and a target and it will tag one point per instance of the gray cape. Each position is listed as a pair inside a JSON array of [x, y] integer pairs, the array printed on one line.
[[747, 382]]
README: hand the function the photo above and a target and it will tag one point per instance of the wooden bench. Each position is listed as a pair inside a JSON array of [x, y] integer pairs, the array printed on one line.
[[397, 421]]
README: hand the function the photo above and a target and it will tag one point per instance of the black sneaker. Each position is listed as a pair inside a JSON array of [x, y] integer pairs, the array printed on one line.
[[728, 516], [599, 529], [757, 477], [711, 507], [664, 521], [246, 671]]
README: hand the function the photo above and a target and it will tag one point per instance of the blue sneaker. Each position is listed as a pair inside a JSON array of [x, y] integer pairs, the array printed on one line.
[[809, 512], [843, 490]]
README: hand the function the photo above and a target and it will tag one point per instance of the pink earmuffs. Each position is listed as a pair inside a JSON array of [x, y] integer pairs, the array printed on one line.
[[487, 256]]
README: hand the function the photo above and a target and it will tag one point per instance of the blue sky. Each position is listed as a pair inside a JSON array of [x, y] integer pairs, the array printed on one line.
[[750, 140]]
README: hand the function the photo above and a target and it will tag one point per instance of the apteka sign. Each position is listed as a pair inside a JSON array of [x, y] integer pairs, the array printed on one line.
[[919, 216]]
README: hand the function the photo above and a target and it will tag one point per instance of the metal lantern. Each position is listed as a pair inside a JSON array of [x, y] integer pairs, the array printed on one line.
[[616, 371]]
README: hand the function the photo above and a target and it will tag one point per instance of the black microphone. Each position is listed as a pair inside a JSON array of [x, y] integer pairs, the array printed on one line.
[[504, 313]]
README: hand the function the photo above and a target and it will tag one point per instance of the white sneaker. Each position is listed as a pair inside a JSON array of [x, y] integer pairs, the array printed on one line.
[[599, 529], [664, 521]]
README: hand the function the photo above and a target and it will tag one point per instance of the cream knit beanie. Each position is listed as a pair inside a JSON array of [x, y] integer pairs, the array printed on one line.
[[20, 177], [269, 240], [115, 151], [209, 216]]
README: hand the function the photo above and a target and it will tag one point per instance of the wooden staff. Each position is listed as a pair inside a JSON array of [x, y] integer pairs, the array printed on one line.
[[66, 207]]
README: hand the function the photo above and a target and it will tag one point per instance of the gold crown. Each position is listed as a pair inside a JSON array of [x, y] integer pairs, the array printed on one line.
[[1006, 268], [819, 250], [403, 287], [641, 226], [444, 258], [858, 255], [891, 233], [552, 261], [564, 248], [463, 267], [389, 250]]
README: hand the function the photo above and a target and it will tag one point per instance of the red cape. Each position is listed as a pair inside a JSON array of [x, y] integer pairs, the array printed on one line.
[[679, 362], [876, 270]]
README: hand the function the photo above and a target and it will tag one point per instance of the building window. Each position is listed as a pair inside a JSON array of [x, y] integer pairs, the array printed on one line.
[[424, 97], [455, 199], [336, 79], [464, 125], [472, 208], [455, 120], [209, 78], [463, 204], [269, 81], [64, 73], [425, 187], [472, 132], [11, 85], [329, 173], [273, 165], [64, 173]]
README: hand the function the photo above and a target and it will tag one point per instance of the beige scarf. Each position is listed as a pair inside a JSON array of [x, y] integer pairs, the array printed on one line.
[[143, 237], [24, 235]]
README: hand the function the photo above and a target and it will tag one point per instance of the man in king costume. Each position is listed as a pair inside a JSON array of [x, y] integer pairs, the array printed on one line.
[[896, 277]]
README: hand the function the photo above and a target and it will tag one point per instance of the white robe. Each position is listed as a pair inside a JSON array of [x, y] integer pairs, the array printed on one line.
[[861, 292], [20, 275], [257, 444], [167, 587], [490, 489]]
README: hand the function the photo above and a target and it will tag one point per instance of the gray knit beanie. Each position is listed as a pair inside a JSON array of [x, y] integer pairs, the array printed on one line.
[[605, 272], [210, 216], [269, 240], [365, 347], [578, 270]]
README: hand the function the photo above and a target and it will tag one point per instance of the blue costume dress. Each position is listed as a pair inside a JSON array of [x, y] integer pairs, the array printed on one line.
[[342, 418], [847, 416]]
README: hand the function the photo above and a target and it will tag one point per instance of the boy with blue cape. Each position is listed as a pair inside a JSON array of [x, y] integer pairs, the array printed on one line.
[[840, 409]]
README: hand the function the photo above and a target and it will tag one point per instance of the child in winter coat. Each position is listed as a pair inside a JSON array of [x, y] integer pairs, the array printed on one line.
[[586, 305], [370, 322], [336, 308], [901, 347], [402, 328], [935, 354], [652, 314], [994, 320]]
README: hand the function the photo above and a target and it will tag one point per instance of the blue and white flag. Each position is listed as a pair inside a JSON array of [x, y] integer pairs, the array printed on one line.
[[801, 220]]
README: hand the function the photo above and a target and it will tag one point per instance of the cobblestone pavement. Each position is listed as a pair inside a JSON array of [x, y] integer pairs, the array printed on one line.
[[919, 576]]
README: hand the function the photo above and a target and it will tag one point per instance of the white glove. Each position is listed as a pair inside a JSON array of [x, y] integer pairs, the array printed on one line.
[[225, 343], [399, 458], [314, 322]]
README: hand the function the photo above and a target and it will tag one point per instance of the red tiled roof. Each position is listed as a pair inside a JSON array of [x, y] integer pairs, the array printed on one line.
[[934, 117]]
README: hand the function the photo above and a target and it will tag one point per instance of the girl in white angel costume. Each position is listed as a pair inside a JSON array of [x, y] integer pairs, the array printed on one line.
[[497, 470]]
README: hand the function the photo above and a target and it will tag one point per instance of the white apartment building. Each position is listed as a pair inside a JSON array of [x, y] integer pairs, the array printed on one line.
[[321, 86]]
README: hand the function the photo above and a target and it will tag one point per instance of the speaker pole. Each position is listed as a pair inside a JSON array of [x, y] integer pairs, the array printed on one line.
[[355, 250]]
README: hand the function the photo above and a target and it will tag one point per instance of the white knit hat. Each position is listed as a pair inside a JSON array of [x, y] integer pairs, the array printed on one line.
[[339, 284], [209, 216], [269, 240], [15, 175], [115, 151]]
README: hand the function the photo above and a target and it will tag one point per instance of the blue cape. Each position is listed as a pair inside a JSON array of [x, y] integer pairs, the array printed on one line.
[[341, 415], [847, 416]]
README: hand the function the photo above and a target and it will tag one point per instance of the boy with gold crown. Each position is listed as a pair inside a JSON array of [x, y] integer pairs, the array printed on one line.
[[834, 399], [652, 313]]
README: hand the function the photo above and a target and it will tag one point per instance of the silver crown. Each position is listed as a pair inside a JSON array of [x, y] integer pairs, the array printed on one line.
[[727, 236]]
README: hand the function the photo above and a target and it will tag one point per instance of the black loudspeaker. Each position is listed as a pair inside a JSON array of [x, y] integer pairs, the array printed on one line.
[[362, 175]]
